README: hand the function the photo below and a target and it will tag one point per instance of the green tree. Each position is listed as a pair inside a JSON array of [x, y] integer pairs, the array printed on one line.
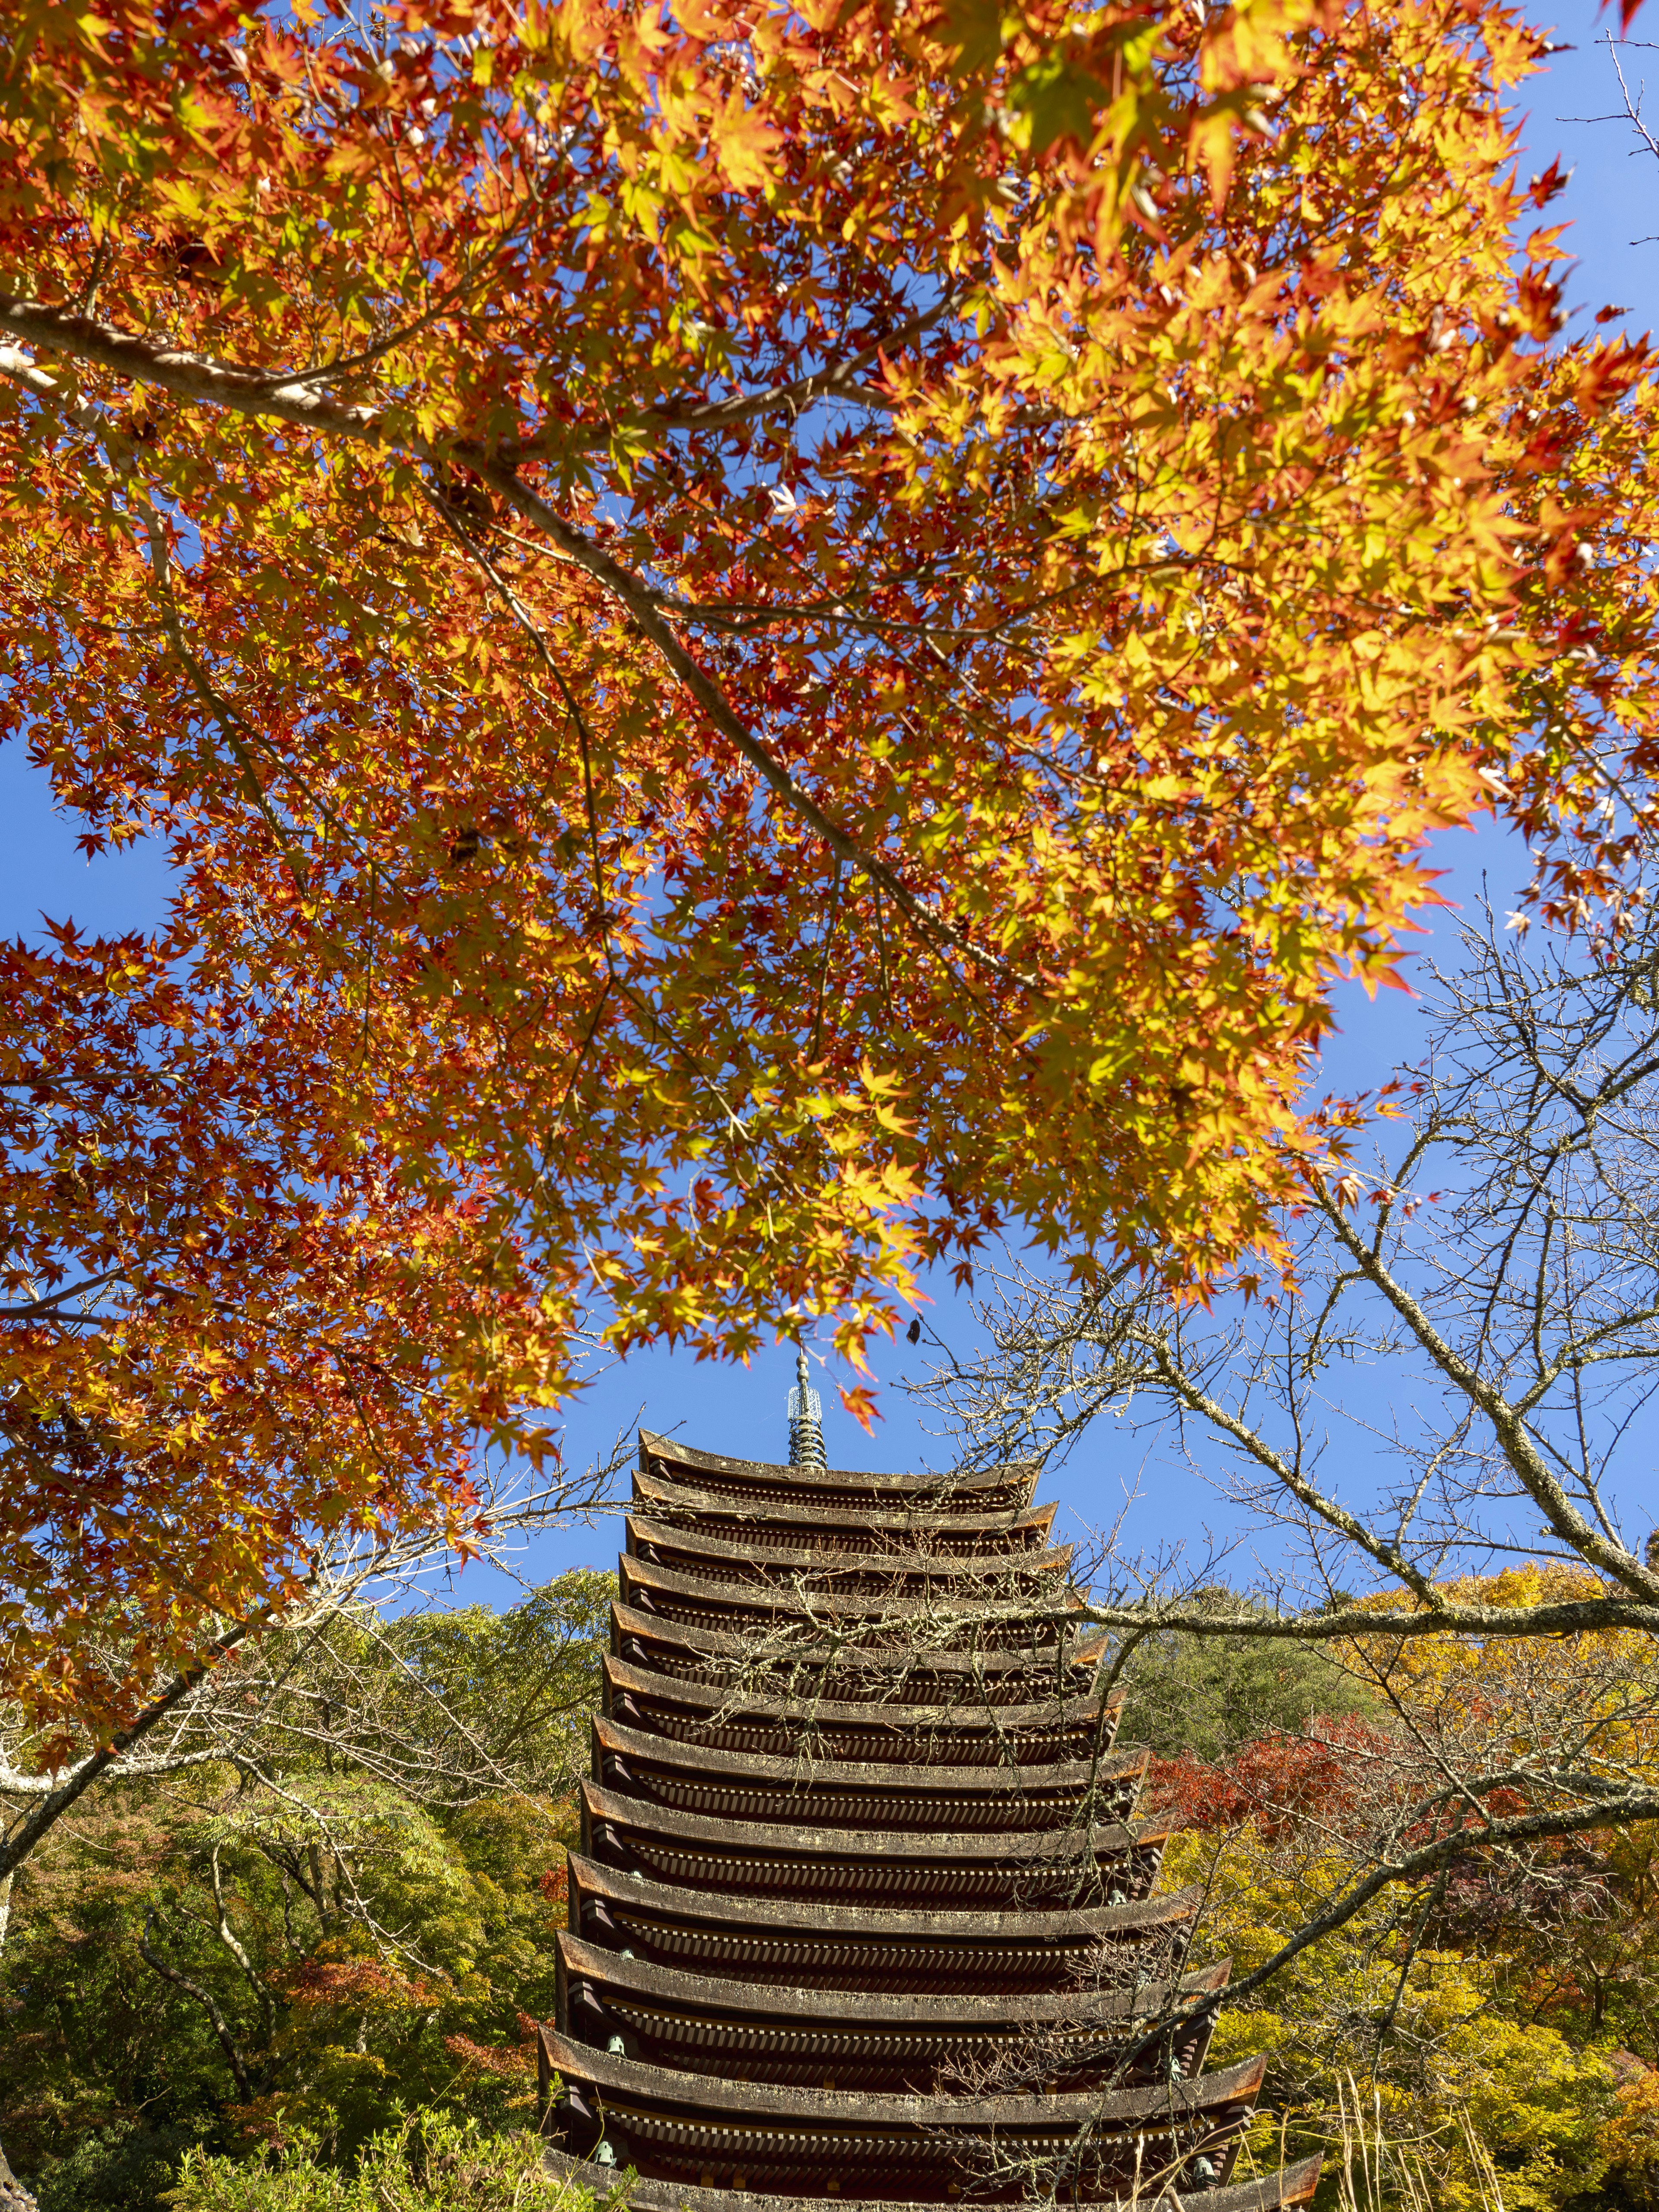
[[1205, 1695]]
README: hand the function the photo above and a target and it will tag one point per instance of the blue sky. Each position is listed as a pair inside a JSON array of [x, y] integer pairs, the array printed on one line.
[[1612, 204]]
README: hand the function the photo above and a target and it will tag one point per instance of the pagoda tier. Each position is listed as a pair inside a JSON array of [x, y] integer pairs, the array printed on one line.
[[809, 1945], [1116, 1864], [798, 1666], [1004, 1618], [945, 1734], [898, 1568], [830, 1530], [758, 1485], [849, 2039], [687, 2127], [862, 1907], [857, 1793]]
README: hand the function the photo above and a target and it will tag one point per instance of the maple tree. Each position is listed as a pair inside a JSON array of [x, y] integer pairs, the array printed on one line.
[[212, 1370], [762, 641]]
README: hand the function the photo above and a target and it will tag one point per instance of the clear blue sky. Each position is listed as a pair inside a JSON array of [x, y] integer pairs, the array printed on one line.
[[1612, 203]]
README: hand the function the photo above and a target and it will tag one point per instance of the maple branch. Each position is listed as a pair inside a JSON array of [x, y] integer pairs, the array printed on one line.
[[330, 1592], [642, 604], [649, 1013], [17, 367], [292, 395], [281, 392], [838, 382], [281, 395], [41, 1309]]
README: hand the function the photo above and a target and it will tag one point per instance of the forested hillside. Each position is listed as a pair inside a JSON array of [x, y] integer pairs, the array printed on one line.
[[1499, 2039], [347, 1916], [347, 1930]]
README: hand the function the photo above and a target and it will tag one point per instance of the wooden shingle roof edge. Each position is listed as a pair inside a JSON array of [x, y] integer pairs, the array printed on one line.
[[592, 1883], [1291, 2187], [763, 2102], [654, 1494], [1018, 1851], [645, 1534], [1038, 1850], [611, 1739], [703, 1992], [963, 1717], [660, 1455], [878, 1606], [717, 1644]]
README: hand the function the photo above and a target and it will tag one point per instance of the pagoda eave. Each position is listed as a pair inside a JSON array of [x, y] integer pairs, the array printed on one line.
[[1287, 2191], [839, 1928], [1212, 2098], [983, 1669], [690, 1551], [1035, 1849], [776, 1481], [962, 1718], [1070, 1780], [666, 1591], [836, 1525], [941, 2011]]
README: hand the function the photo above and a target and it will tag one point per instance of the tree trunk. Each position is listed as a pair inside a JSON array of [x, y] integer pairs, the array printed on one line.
[[14, 2197]]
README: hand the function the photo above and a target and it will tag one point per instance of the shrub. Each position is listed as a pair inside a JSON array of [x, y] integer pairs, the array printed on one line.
[[128, 2167], [430, 2163]]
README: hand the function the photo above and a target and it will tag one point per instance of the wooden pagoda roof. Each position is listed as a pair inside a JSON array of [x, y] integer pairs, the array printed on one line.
[[742, 1786], [984, 1491], [887, 1726], [835, 1525], [886, 1866], [886, 1568], [931, 2012], [701, 1601], [698, 1653], [856, 2039]]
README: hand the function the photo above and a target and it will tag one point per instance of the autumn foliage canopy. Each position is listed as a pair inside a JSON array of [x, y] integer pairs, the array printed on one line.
[[764, 640]]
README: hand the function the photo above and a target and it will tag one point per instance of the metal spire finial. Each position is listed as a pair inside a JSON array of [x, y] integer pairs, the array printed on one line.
[[805, 1420]]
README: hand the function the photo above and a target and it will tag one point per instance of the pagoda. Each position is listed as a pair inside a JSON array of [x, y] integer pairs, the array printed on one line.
[[862, 1908]]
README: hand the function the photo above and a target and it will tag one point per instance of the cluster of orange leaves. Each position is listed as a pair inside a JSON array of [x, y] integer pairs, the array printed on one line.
[[328, 1987], [766, 641]]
